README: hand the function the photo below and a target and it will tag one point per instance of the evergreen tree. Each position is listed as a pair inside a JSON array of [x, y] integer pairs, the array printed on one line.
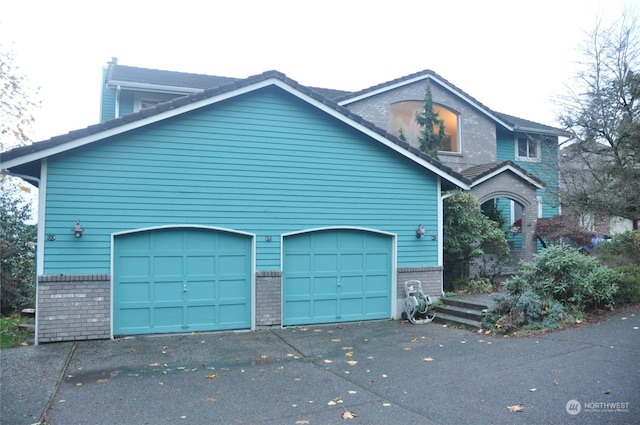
[[432, 127]]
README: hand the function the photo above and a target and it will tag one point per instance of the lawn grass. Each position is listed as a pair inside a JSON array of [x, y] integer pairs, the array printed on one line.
[[12, 335]]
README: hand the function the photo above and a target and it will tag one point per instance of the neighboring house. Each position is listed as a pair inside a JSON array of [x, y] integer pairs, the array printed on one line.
[[256, 202], [577, 179]]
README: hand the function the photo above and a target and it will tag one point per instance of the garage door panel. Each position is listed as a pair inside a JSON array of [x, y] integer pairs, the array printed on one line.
[[200, 290], [135, 318], [166, 265], [326, 277], [201, 265], [352, 262], [325, 262], [201, 315], [135, 292], [167, 316], [135, 266], [181, 280]]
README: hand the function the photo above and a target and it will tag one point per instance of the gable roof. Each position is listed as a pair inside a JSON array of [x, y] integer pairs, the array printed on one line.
[[507, 121], [25, 160], [481, 173], [134, 78]]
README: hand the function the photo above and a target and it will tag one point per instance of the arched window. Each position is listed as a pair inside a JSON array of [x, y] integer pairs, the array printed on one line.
[[403, 116]]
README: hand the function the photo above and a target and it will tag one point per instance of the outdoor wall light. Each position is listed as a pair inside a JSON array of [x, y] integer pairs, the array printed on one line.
[[51, 237], [420, 231], [77, 229]]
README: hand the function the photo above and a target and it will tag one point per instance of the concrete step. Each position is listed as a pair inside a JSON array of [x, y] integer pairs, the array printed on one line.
[[457, 321], [462, 312], [468, 304]]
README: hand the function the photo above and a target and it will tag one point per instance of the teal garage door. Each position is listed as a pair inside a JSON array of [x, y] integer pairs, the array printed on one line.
[[181, 280], [336, 276]]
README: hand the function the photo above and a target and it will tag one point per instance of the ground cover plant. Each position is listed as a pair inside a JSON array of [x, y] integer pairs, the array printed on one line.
[[11, 334]]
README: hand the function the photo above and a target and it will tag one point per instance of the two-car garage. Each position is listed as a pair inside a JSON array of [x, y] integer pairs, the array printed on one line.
[[186, 279]]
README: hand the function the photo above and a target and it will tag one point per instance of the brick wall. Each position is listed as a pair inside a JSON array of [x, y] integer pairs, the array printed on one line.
[[477, 132], [78, 307], [268, 297], [73, 307]]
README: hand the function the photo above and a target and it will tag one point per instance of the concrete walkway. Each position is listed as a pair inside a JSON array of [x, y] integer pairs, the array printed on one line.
[[385, 372]]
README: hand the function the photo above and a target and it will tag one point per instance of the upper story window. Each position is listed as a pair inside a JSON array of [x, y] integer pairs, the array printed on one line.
[[403, 116], [145, 100], [527, 149]]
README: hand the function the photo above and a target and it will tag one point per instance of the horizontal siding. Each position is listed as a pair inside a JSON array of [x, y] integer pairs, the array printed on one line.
[[264, 163]]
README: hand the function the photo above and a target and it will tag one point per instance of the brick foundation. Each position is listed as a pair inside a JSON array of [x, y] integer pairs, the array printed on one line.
[[73, 307]]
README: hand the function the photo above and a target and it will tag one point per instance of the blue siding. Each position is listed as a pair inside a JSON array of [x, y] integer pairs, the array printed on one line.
[[107, 101], [265, 163], [546, 169]]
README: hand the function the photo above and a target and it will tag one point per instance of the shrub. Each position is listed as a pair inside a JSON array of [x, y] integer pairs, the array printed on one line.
[[629, 285], [558, 284], [480, 285], [564, 274]]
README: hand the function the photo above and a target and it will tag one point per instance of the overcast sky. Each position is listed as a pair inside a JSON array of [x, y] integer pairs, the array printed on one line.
[[514, 56]]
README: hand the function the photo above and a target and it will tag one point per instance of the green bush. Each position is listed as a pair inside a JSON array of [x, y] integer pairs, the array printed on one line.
[[560, 284], [629, 285], [564, 274], [480, 285]]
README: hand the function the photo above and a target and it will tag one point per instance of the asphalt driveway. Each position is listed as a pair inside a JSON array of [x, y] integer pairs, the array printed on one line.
[[385, 372]]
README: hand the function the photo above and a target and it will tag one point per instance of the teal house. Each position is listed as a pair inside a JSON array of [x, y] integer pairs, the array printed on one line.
[[204, 203]]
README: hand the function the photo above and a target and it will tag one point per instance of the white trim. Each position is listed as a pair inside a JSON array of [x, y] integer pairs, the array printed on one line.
[[513, 170], [127, 85], [462, 96], [394, 262], [527, 158], [82, 141], [42, 208], [187, 226]]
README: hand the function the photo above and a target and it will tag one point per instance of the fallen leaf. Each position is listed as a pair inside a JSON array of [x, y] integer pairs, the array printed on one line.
[[533, 390], [79, 384], [327, 361], [352, 392], [608, 392], [349, 354], [348, 415], [624, 318], [212, 376], [347, 348], [414, 340], [302, 422], [386, 404], [516, 408], [352, 362], [154, 364], [103, 380], [427, 359], [407, 349], [210, 400], [555, 382], [336, 340]]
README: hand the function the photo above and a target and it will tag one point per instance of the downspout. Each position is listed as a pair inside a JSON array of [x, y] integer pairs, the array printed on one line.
[[117, 111]]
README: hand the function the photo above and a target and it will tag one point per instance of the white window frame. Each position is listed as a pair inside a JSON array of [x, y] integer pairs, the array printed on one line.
[[529, 140], [153, 98]]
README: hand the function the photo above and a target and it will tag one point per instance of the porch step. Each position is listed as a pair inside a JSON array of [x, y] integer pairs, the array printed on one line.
[[463, 311]]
